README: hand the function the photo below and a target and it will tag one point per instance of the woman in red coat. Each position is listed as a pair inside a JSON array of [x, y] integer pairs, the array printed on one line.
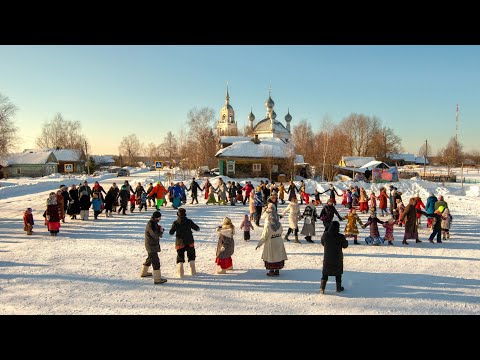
[[52, 214], [383, 197]]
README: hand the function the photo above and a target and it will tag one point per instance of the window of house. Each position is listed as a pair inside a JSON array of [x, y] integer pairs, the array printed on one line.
[[257, 167], [19, 171], [231, 167]]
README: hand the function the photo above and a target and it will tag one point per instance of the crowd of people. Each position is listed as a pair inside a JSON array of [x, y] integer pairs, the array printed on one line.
[[263, 202]]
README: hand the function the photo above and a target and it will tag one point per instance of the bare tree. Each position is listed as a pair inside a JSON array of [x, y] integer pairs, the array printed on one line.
[[170, 146], [359, 129], [383, 142], [62, 134], [452, 154], [153, 152], [303, 140], [8, 131], [425, 150], [130, 149], [202, 136]]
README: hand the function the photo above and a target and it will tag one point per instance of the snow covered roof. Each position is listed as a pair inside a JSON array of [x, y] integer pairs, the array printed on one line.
[[248, 149], [299, 160], [103, 159], [373, 163], [404, 157], [232, 139], [421, 160], [357, 161], [67, 154], [31, 158]]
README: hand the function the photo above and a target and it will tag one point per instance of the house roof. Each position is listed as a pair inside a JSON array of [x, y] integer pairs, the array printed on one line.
[[421, 160], [373, 163], [67, 154], [31, 158], [265, 148], [357, 161], [232, 139], [404, 157], [103, 159]]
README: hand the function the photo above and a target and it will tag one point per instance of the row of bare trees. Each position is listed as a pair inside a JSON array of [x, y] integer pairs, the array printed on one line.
[[355, 135], [8, 130]]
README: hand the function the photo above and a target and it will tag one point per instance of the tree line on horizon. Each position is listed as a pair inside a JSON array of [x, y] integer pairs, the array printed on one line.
[[196, 144]]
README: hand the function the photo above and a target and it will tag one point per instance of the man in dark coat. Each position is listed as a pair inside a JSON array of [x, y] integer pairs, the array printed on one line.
[[184, 241], [194, 187], [153, 233], [327, 213], [333, 242]]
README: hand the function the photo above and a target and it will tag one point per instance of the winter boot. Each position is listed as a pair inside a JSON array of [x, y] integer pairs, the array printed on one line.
[[271, 273], [193, 272], [145, 272], [286, 238], [390, 243], [340, 288], [288, 233], [323, 284], [29, 229], [404, 242], [221, 271], [296, 239], [448, 235], [157, 277], [180, 272], [277, 272]]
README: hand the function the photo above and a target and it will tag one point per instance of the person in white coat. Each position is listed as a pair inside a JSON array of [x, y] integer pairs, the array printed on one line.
[[274, 254], [294, 210]]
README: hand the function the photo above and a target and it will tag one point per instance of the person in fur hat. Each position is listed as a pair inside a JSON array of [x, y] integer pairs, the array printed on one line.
[[274, 254], [372, 221], [388, 225], [184, 241], [153, 233], [351, 229], [225, 246], [28, 221]]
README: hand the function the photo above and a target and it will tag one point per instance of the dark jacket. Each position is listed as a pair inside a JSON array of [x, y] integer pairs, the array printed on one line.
[[333, 242], [410, 213], [74, 206], [183, 228], [153, 233], [194, 187], [327, 213]]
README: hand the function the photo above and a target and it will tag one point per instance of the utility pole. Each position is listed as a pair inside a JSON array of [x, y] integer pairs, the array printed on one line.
[[86, 154], [425, 158], [325, 147]]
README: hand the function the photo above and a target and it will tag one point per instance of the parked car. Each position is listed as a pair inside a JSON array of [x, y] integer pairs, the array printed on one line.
[[215, 172], [152, 168], [123, 172]]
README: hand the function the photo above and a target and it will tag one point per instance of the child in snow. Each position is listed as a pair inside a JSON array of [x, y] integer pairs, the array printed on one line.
[[309, 215], [389, 230], [133, 200], [97, 206], [28, 221], [446, 222], [351, 229], [372, 221], [246, 225], [316, 194], [143, 201], [225, 246], [400, 209]]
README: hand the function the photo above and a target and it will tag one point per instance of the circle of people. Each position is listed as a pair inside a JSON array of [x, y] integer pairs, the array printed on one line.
[[263, 205]]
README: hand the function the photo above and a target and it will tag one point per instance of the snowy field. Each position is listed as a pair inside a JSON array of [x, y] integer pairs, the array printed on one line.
[[93, 267]]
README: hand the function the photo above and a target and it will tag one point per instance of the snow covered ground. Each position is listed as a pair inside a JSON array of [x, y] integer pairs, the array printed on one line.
[[93, 267]]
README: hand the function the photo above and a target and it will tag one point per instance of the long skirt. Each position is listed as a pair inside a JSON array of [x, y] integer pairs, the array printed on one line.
[[224, 263], [363, 206], [53, 225], [274, 266]]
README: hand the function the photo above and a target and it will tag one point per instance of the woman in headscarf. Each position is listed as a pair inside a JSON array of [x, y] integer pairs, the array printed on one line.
[[274, 254], [225, 246], [52, 214]]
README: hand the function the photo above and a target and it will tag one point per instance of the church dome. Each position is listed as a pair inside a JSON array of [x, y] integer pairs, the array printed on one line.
[[269, 103], [274, 115], [288, 117], [251, 117]]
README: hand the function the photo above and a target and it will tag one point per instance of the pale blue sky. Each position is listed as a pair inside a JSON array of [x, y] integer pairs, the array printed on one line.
[[148, 90]]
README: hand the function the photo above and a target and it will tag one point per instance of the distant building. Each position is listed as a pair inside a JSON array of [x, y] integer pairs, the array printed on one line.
[[30, 164], [75, 158], [407, 159], [227, 125], [103, 160], [267, 150]]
